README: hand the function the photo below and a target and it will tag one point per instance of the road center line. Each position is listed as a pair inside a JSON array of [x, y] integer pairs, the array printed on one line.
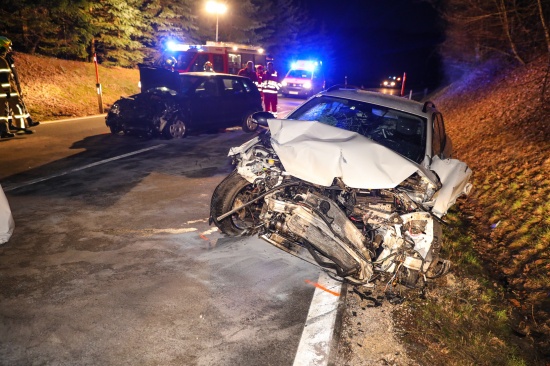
[[7, 189], [316, 338]]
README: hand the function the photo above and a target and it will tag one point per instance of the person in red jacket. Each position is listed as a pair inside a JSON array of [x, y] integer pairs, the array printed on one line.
[[270, 88]]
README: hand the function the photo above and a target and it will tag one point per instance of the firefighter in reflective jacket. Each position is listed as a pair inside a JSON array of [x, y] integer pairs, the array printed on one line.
[[6, 93], [270, 88], [11, 104]]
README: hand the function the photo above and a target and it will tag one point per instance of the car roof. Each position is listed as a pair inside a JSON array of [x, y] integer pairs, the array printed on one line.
[[385, 100]]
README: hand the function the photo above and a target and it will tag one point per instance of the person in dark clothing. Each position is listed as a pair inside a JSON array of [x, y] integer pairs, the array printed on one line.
[[14, 112], [249, 71]]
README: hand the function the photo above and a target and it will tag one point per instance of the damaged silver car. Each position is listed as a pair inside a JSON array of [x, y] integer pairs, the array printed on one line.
[[353, 181]]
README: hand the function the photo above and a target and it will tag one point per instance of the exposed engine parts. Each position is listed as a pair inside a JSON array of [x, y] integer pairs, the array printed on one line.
[[359, 234]]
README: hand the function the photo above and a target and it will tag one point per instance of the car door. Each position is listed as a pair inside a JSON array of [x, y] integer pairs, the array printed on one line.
[[234, 102], [206, 106]]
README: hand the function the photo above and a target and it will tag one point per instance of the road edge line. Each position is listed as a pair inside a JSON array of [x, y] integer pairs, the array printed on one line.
[[315, 344]]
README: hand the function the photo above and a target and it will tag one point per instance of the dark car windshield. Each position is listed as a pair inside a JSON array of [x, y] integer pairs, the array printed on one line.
[[402, 132]]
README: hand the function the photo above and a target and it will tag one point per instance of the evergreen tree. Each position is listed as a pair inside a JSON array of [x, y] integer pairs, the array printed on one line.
[[55, 28], [119, 27], [170, 20]]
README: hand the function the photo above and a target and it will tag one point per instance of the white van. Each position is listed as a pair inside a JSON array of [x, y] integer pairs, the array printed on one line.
[[304, 79]]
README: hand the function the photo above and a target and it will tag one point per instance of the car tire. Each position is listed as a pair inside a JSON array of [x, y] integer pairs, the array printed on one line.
[[248, 124], [175, 129], [232, 192], [115, 129]]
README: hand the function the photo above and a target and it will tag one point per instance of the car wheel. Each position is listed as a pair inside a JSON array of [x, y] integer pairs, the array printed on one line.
[[249, 125], [176, 129], [231, 193], [115, 129]]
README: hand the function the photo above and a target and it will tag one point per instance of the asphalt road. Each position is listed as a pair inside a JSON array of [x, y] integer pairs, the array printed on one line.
[[112, 261]]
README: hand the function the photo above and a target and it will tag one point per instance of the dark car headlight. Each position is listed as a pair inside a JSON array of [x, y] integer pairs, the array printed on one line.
[[115, 109]]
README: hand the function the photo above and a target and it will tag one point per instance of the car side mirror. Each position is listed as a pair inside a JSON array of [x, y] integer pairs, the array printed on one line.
[[262, 117]]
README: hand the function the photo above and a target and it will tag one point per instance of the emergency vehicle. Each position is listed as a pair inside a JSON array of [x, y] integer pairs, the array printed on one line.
[[225, 57], [305, 78], [391, 82]]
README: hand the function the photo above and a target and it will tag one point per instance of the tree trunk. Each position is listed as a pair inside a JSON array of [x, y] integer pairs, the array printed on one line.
[[544, 25], [503, 12]]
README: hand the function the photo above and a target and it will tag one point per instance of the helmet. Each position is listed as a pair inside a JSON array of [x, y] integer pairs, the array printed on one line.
[[5, 44], [170, 61]]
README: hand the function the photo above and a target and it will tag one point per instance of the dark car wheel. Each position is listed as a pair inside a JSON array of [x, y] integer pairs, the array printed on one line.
[[175, 129], [114, 125], [233, 192], [248, 124], [115, 129]]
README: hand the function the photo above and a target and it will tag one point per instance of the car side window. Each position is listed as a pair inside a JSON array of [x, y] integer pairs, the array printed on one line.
[[438, 138], [207, 88], [233, 87]]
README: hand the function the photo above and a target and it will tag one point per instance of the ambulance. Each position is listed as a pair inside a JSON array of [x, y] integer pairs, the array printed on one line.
[[304, 79], [225, 57]]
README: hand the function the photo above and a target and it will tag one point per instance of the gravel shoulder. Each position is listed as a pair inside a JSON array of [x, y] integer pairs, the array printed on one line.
[[367, 334]]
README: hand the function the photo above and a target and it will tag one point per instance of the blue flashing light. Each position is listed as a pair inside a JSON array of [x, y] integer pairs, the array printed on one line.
[[174, 46], [308, 65]]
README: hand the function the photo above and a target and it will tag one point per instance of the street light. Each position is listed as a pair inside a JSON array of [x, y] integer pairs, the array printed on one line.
[[216, 8]]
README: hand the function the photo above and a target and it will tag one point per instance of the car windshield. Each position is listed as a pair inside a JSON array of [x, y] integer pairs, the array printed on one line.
[[402, 132], [305, 74]]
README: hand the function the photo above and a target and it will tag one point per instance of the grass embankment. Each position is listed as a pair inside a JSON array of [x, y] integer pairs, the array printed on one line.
[[495, 305], [55, 89]]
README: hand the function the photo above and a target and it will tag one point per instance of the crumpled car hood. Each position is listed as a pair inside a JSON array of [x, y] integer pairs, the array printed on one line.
[[318, 153]]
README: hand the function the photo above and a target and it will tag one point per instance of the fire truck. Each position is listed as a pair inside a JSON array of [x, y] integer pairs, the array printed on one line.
[[304, 79], [225, 57]]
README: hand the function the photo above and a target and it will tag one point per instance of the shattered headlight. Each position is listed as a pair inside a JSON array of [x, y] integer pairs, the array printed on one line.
[[115, 109]]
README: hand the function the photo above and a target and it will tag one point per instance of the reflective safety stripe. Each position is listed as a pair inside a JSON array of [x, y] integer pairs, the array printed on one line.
[[4, 95], [5, 70], [5, 85], [270, 91]]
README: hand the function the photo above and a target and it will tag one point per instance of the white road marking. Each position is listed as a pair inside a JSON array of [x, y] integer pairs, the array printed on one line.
[[71, 119], [7, 189], [209, 231], [195, 221], [314, 346]]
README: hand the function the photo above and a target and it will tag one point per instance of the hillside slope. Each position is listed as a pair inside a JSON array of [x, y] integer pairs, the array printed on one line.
[[495, 306], [56, 88], [499, 121]]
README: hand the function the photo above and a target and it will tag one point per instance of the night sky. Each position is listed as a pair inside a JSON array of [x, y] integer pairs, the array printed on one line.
[[377, 38]]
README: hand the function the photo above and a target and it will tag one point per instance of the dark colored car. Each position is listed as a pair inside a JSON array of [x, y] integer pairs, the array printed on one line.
[[174, 104]]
